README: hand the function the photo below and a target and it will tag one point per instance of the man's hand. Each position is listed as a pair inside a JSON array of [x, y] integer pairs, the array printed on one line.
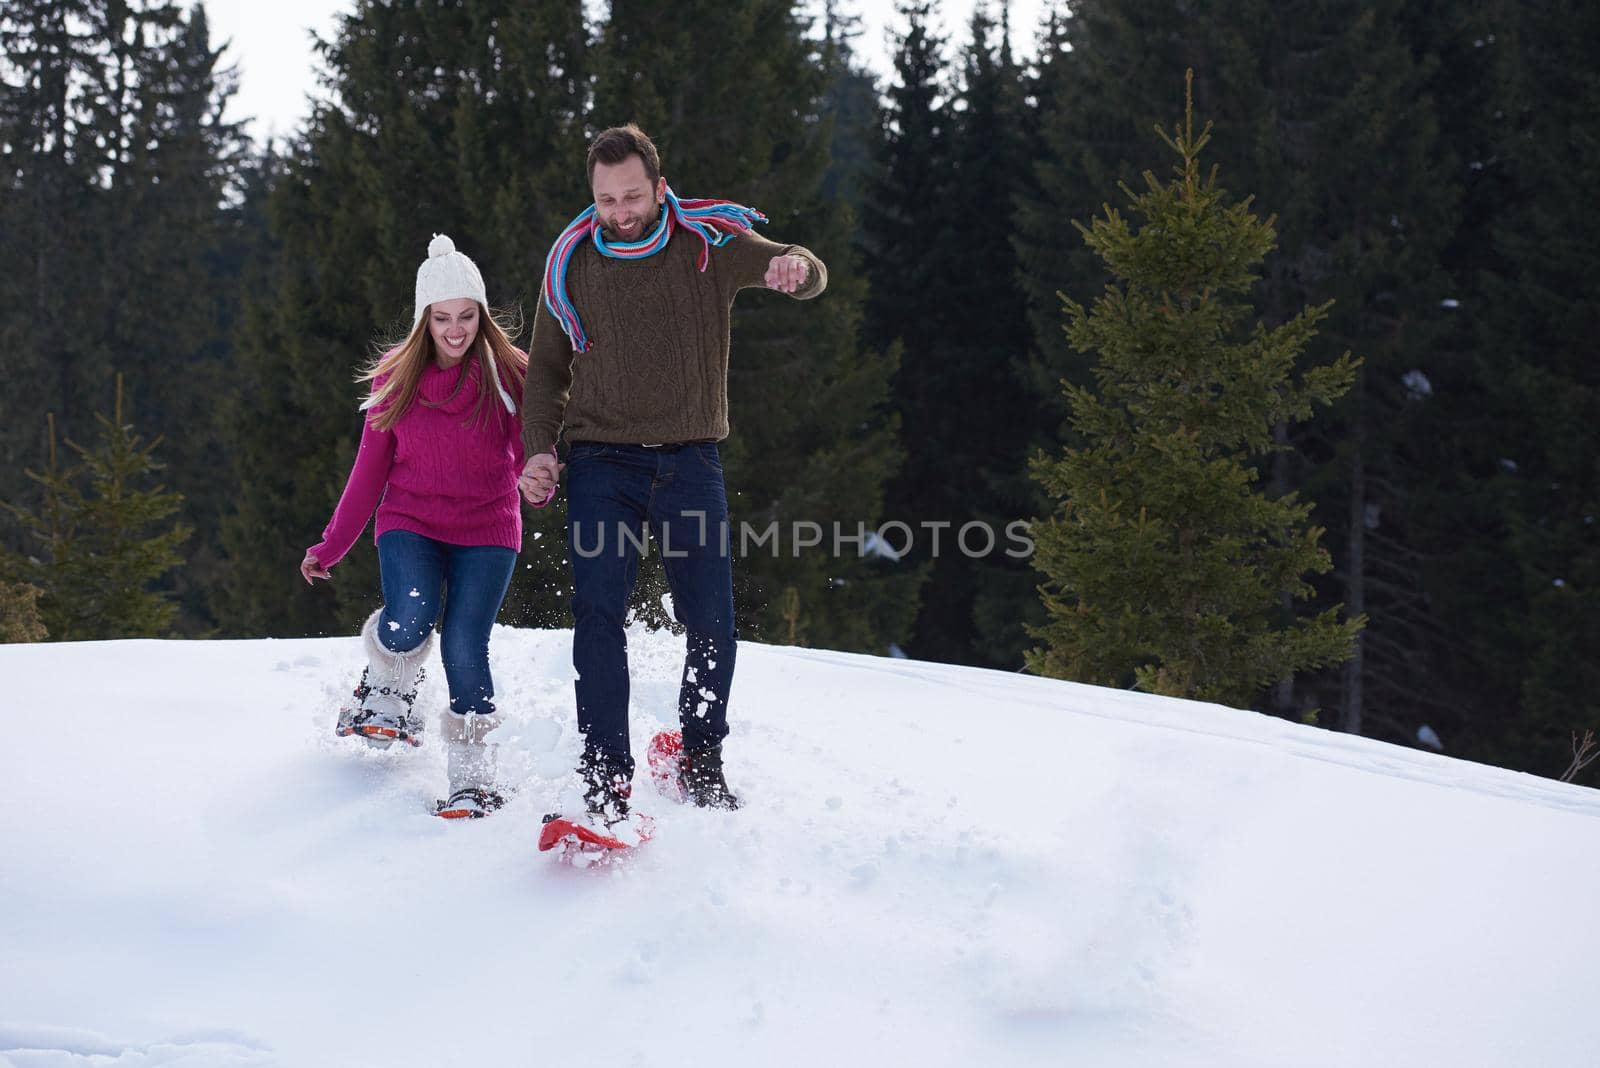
[[539, 477], [787, 273]]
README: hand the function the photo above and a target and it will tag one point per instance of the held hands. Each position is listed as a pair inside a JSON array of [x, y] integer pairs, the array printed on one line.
[[311, 568], [787, 273], [539, 477]]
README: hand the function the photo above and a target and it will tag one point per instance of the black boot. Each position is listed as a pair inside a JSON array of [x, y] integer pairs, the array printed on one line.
[[703, 778], [607, 785]]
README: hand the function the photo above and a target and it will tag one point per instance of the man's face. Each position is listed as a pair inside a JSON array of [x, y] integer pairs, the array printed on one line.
[[627, 203]]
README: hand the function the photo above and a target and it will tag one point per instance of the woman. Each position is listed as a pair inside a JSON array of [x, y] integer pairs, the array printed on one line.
[[440, 454]]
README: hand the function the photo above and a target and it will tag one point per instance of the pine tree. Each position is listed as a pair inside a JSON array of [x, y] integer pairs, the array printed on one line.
[[1165, 564], [170, 297], [107, 538], [905, 200], [47, 139], [464, 119], [19, 613], [943, 269], [1349, 142], [1326, 115], [907, 310], [850, 104], [981, 424], [1104, 77], [1539, 313], [1461, 410], [1101, 79], [733, 108], [121, 167]]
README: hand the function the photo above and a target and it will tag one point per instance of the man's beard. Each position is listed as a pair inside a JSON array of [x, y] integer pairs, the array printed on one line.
[[647, 224]]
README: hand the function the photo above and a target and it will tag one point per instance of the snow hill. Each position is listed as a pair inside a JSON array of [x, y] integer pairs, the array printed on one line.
[[937, 866]]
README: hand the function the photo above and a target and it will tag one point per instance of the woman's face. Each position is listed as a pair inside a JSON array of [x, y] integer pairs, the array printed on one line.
[[454, 326]]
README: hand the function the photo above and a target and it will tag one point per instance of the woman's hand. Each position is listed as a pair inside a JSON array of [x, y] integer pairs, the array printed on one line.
[[311, 568], [540, 476]]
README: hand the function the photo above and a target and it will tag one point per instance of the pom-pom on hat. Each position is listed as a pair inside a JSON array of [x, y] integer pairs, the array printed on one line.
[[446, 275]]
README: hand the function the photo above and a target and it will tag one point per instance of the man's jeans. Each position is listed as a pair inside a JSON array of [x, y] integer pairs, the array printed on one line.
[[614, 492], [413, 569]]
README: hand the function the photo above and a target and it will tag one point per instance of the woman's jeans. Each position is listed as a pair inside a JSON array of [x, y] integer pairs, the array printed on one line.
[[615, 493], [416, 571]]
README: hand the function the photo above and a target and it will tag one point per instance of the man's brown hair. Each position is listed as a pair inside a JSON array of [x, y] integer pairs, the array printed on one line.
[[615, 145]]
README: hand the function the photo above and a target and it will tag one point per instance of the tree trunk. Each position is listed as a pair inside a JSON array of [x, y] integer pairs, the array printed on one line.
[[1283, 689], [1355, 577]]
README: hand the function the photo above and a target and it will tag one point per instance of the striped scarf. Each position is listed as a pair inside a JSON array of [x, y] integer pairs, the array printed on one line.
[[716, 222]]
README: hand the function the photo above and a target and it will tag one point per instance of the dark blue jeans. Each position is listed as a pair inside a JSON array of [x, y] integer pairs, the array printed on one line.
[[615, 493], [416, 571]]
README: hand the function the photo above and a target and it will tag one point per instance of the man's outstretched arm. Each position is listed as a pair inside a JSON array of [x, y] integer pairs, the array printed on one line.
[[754, 262]]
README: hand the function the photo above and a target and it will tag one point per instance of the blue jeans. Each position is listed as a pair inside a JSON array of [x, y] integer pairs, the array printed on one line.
[[615, 493], [414, 569]]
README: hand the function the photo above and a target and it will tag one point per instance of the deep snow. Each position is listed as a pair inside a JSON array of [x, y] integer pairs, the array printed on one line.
[[936, 866]]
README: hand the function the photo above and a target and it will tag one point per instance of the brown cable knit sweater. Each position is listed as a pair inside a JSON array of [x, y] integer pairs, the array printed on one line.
[[657, 370]]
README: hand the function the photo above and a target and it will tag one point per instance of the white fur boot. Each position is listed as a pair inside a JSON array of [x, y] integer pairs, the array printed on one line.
[[470, 763], [383, 708]]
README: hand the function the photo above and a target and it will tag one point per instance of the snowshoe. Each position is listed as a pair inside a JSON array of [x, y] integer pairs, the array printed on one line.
[[470, 803]]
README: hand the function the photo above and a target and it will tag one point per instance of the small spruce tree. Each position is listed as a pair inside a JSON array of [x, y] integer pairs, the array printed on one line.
[[104, 547], [1165, 565], [19, 613]]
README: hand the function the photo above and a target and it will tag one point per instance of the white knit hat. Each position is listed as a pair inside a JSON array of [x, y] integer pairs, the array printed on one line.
[[446, 275]]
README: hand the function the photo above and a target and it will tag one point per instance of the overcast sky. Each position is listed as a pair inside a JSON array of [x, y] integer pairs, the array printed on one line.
[[271, 46]]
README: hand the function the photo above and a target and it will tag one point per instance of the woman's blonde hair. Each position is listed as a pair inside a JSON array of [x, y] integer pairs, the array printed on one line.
[[401, 365]]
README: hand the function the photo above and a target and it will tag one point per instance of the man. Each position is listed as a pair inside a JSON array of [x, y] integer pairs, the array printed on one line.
[[630, 359]]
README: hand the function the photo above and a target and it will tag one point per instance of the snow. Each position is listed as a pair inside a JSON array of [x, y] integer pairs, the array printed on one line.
[[879, 546], [935, 866]]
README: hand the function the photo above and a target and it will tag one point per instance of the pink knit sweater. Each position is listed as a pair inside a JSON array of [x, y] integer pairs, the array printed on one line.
[[436, 473]]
